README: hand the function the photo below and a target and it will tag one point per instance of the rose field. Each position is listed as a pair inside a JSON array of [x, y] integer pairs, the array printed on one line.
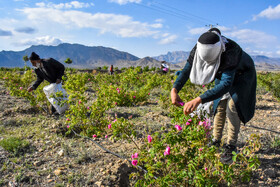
[[122, 130]]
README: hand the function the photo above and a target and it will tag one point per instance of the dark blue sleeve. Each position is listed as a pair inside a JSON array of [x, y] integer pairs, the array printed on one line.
[[221, 87], [183, 77]]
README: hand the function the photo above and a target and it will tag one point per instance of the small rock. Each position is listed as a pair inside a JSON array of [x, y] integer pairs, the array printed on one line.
[[58, 172], [271, 173], [37, 163], [61, 152], [98, 183], [49, 176]]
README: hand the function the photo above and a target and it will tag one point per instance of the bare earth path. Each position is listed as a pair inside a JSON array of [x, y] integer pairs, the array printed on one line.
[[56, 160]]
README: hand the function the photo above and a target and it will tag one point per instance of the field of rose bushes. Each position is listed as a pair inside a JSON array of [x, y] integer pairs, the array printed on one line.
[[176, 155]]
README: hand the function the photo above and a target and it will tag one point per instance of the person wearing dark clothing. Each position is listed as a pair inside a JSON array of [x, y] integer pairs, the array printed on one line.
[[111, 70], [46, 69], [220, 59]]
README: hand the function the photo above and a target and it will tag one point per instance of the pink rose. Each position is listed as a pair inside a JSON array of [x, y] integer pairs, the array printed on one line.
[[167, 151], [134, 162], [109, 126], [188, 123], [178, 127], [181, 103], [149, 138]]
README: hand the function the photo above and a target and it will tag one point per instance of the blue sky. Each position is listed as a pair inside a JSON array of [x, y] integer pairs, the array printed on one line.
[[140, 27]]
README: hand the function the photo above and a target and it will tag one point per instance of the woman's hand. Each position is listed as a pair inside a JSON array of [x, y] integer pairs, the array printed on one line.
[[175, 98], [190, 106]]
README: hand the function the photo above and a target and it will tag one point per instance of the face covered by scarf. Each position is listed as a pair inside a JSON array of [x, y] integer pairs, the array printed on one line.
[[207, 58]]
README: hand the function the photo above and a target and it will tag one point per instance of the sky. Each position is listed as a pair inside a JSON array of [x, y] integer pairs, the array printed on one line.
[[140, 27]]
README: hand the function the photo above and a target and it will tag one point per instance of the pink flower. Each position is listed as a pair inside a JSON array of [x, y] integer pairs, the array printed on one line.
[[200, 149], [189, 120], [67, 119], [167, 151], [80, 102], [205, 168], [203, 86], [148, 93], [200, 123], [109, 126], [149, 138], [134, 97], [181, 103], [94, 136], [188, 123], [89, 79], [114, 120], [118, 91], [68, 126], [116, 103], [178, 127], [88, 108], [136, 155], [20, 88], [134, 162], [106, 136]]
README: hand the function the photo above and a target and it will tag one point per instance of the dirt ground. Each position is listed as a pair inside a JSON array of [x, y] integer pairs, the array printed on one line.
[[56, 160]]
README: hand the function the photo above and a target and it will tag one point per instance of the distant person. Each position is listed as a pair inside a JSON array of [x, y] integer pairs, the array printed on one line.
[[164, 67], [46, 69], [218, 58], [111, 70]]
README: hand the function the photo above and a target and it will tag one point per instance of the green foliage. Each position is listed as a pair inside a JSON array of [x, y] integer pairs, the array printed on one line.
[[105, 67], [189, 163], [15, 145], [271, 81], [68, 61]]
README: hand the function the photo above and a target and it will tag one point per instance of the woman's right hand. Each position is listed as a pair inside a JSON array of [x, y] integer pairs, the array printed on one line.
[[175, 98]]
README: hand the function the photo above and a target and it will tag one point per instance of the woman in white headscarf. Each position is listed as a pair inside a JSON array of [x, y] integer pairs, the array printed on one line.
[[217, 58]]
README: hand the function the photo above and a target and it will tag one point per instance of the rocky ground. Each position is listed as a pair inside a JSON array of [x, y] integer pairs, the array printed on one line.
[[57, 160]]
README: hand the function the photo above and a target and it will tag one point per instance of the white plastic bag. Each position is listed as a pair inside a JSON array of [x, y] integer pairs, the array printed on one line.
[[51, 90], [203, 109]]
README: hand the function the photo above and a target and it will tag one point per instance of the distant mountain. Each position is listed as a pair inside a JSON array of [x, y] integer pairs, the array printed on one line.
[[173, 57], [180, 57], [147, 61], [98, 56], [82, 56]]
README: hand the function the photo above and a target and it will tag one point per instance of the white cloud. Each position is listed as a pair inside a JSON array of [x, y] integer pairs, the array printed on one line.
[[269, 13], [44, 40], [123, 2], [245, 36], [168, 39], [278, 52], [257, 38], [72, 4], [120, 25]]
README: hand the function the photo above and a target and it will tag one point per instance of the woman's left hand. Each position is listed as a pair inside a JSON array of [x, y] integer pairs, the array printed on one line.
[[190, 106]]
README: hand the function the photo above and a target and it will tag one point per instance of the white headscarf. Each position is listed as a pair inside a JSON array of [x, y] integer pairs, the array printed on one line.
[[206, 61]]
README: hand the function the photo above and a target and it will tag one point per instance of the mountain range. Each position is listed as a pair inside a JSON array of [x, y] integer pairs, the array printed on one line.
[[98, 56]]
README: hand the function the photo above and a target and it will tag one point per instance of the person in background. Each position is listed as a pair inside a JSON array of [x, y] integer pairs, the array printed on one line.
[[46, 69], [215, 57], [164, 67], [111, 70]]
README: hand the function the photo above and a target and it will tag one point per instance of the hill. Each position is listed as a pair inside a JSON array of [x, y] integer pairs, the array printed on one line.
[[82, 56]]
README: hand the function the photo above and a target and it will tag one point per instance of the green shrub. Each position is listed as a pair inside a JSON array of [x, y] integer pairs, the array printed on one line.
[[15, 145]]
